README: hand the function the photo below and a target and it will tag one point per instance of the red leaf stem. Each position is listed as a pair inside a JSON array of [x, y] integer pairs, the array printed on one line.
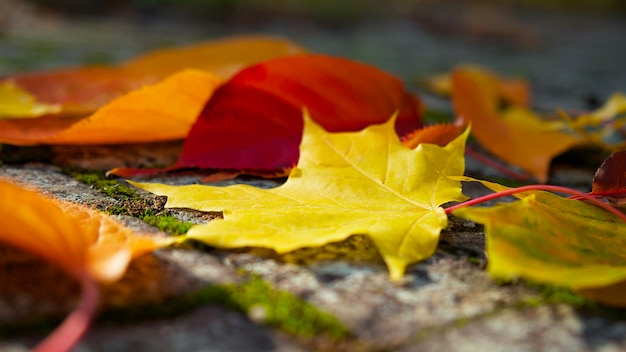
[[487, 161], [67, 335], [578, 194]]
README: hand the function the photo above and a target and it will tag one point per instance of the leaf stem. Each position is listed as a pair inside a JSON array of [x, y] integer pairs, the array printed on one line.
[[66, 335], [560, 189], [489, 162]]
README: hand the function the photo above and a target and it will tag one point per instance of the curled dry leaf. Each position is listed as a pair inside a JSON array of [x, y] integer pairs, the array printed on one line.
[[518, 137], [345, 183], [253, 122], [610, 179]]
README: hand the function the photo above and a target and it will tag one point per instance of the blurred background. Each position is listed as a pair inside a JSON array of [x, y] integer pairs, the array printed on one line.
[[572, 51]]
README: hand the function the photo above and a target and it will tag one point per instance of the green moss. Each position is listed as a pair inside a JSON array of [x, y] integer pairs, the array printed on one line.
[[132, 204], [254, 297], [280, 309], [532, 302], [476, 260], [555, 294], [98, 180], [549, 294], [167, 223]]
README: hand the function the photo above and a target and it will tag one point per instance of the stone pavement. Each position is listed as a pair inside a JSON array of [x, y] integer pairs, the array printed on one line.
[[447, 302]]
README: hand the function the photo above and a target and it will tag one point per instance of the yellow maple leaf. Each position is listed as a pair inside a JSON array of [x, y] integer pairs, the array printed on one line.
[[345, 183]]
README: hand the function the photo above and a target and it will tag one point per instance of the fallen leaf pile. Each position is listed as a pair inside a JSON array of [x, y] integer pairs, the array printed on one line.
[[253, 122], [139, 116], [360, 162]]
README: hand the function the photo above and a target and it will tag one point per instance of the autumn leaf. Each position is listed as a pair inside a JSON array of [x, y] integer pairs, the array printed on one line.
[[147, 107], [610, 179], [158, 112], [554, 240], [17, 103], [253, 122], [345, 183], [78, 239], [222, 57], [84, 89], [514, 91], [518, 136], [440, 134], [85, 243], [603, 127], [79, 90]]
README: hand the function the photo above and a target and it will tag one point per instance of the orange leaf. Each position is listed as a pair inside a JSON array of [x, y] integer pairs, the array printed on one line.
[[82, 241], [223, 57], [512, 90], [476, 98], [253, 122], [440, 134], [163, 111], [79, 90], [84, 89]]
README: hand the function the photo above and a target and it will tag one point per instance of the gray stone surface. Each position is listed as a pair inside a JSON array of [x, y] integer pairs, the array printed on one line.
[[447, 302], [545, 328]]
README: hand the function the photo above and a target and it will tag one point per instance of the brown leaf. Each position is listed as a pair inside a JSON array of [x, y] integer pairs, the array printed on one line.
[[610, 179]]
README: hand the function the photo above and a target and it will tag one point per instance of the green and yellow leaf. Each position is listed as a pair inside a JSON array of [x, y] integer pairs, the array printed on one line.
[[554, 240]]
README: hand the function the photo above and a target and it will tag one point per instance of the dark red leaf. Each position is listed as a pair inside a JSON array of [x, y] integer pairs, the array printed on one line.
[[254, 121], [610, 179]]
